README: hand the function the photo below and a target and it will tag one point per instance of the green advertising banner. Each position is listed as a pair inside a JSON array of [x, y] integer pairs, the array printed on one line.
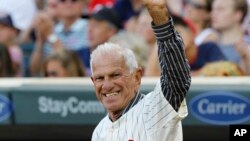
[[57, 105], [5, 109], [208, 104]]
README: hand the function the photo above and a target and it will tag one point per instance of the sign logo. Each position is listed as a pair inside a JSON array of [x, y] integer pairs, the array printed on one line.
[[221, 108], [5, 108], [72, 105]]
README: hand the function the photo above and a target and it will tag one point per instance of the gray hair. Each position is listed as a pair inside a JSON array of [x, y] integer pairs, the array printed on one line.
[[115, 49]]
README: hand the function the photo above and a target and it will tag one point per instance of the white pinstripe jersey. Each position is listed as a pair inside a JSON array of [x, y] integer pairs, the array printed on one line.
[[151, 119], [156, 116]]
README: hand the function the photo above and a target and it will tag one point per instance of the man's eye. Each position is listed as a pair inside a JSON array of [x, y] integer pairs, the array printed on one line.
[[98, 78], [116, 75]]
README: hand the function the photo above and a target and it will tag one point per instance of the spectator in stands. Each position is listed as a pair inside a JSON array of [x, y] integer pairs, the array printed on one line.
[[43, 26], [197, 56], [144, 29], [21, 11], [70, 31], [8, 36], [63, 63], [134, 42], [6, 67], [128, 9], [198, 12], [141, 27], [103, 24], [227, 18], [176, 6], [50, 9], [29, 38]]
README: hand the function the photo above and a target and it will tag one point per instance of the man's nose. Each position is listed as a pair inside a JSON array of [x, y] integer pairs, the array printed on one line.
[[107, 86]]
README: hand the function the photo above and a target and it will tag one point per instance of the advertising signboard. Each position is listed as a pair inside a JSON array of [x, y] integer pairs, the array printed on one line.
[[57, 106], [218, 106]]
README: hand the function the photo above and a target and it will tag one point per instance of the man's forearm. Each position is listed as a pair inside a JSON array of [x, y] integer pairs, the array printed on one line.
[[175, 70]]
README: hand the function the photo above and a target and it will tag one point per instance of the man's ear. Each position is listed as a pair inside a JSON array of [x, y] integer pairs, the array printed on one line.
[[138, 76]]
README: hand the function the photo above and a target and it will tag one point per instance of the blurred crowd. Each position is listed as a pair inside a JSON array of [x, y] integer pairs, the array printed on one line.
[[54, 38]]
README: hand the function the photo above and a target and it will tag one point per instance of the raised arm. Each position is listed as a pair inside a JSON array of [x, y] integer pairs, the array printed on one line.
[[175, 71]]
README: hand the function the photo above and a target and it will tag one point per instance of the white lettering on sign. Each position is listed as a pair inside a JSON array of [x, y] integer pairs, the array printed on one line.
[[72, 105], [207, 107]]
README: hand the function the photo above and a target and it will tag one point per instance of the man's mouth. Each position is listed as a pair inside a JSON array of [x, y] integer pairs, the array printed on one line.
[[111, 94]]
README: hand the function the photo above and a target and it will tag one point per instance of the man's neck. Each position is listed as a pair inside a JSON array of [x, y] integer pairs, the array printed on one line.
[[231, 35], [115, 115]]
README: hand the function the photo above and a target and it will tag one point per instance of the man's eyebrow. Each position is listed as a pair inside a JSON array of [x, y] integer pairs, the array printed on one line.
[[97, 75]]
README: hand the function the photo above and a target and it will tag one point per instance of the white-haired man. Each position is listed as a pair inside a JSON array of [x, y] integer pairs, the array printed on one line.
[[133, 116]]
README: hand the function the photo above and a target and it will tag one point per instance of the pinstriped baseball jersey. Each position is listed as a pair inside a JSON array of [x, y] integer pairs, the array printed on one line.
[[156, 116]]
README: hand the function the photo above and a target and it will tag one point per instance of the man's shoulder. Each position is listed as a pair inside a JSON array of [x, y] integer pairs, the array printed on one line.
[[101, 126], [157, 89], [104, 121]]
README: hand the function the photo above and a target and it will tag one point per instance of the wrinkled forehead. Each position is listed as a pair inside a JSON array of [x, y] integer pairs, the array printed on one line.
[[106, 64]]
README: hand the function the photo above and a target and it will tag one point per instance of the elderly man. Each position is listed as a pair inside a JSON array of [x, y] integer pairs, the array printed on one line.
[[133, 116]]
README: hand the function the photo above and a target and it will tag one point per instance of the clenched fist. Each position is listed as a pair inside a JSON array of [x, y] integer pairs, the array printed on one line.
[[157, 10]]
